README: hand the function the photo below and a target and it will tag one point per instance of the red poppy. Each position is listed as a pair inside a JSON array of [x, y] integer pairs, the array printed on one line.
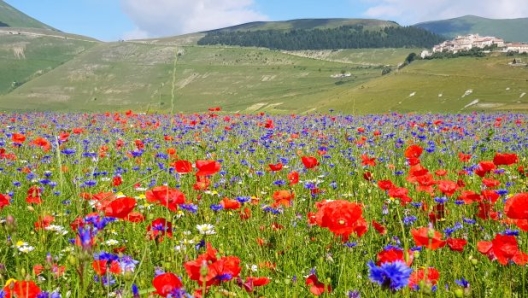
[[504, 248], [463, 157], [447, 187], [309, 162], [42, 143], [182, 166], [275, 167], [505, 159], [43, 221], [413, 151], [428, 238], [102, 267], [207, 167], [282, 197], [18, 138], [4, 200], [381, 229], [385, 184], [120, 207], [166, 283], [393, 254], [484, 167], [33, 195], [490, 183], [441, 172], [230, 204], [117, 180], [342, 218], [486, 211], [469, 196], [516, 207], [251, 282], [367, 161], [456, 244], [159, 228], [135, 216], [21, 289], [489, 195], [293, 177], [218, 269], [429, 276], [316, 287], [166, 196]]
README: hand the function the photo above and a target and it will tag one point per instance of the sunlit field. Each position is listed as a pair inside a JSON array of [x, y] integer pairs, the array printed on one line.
[[229, 205]]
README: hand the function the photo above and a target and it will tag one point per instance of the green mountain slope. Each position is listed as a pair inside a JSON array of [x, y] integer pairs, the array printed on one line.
[[140, 76], [513, 30], [11, 17]]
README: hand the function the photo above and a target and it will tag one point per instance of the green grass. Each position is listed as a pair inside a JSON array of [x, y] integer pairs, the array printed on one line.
[[441, 85], [24, 57]]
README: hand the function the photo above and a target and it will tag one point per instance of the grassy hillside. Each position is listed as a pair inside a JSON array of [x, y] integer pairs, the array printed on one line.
[[12, 17], [442, 85], [26, 54], [140, 76], [508, 29]]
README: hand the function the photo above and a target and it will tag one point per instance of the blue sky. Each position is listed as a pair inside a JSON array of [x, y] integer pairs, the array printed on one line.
[[110, 20]]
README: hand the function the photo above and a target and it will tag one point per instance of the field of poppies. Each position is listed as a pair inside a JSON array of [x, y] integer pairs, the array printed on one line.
[[229, 205]]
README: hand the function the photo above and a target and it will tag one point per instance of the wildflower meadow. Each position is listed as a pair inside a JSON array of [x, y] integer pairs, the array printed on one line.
[[228, 205]]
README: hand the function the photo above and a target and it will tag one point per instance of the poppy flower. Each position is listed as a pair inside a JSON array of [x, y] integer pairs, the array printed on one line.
[[250, 283], [490, 183], [4, 200], [43, 221], [385, 184], [316, 287], [120, 207], [219, 269], [230, 204], [469, 197], [428, 238], [207, 167], [342, 218], [367, 161], [484, 167], [42, 143], [392, 254], [447, 187], [275, 167], [429, 276], [21, 289], [505, 159], [309, 162], [463, 157], [516, 207], [117, 180], [282, 197], [456, 244], [159, 228], [166, 196], [182, 166], [503, 248], [381, 229], [293, 177], [33, 195], [166, 283], [413, 151], [18, 138]]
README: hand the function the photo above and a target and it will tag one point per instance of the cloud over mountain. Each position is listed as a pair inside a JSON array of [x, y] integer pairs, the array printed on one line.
[[173, 17]]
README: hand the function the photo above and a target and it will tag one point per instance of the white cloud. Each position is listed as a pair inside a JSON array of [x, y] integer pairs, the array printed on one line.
[[159, 18], [408, 12]]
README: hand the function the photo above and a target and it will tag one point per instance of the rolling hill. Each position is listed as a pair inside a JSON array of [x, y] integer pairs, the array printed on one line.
[[12, 17], [512, 30], [44, 69]]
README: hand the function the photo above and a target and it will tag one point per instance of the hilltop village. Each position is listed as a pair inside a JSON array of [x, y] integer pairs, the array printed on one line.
[[470, 41]]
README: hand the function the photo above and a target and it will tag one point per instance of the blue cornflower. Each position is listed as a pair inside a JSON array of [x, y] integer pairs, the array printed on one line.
[[216, 207], [462, 282], [354, 294], [409, 220], [279, 182], [510, 232], [392, 275], [469, 221], [440, 200], [189, 207], [243, 200], [135, 291], [127, 264]]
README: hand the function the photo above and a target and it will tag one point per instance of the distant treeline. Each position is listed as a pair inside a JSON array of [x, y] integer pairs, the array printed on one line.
[[344, 37], [2, 24]]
